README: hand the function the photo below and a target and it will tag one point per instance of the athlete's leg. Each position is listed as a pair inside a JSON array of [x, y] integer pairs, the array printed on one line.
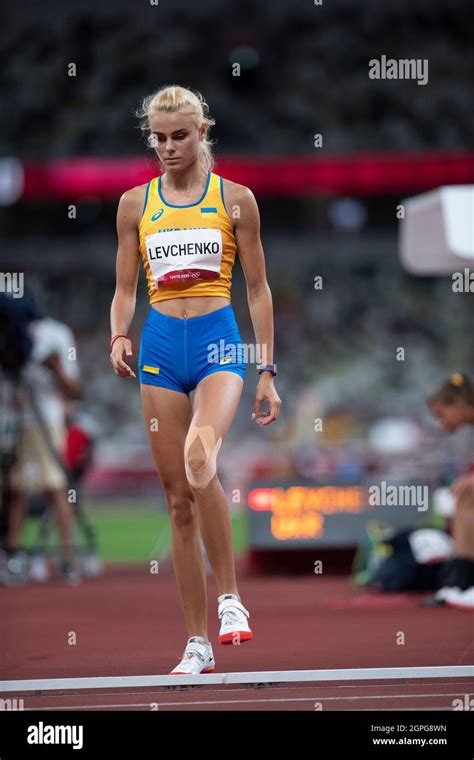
[[16, 516], [167, 415], [216, 400], [64, 517], [49, 479]]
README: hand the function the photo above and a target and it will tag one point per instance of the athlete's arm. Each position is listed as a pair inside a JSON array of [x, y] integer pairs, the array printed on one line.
[[127, 269], [247, 236]]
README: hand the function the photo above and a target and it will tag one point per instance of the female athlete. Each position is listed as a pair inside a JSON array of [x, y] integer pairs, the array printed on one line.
[[187, 225]]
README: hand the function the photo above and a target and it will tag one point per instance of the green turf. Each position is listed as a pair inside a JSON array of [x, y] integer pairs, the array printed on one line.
[[133, 535]]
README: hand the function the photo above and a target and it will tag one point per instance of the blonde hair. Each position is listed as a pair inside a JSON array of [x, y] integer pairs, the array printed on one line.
[[175, 99]]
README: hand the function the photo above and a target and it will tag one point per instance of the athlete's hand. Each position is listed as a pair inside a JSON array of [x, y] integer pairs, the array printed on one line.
[[120, 346], [266, 391], [463, 487]]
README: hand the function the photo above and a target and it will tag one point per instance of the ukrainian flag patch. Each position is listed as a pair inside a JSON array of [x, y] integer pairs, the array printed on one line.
[[153, 370], [209, 210]]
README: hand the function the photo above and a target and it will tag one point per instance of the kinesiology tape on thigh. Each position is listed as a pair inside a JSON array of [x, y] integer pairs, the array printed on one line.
[[202, 477]]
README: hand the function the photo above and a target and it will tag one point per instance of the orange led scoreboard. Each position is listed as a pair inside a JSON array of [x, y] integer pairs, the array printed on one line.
[[284, 514]]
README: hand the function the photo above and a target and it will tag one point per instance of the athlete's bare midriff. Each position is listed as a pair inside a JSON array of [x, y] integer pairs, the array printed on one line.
[[191, 306]]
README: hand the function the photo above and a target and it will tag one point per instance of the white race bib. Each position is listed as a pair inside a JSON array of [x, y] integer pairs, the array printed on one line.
[[188, 255]]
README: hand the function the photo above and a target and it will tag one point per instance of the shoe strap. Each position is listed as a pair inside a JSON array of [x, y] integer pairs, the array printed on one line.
[[228, 604], [196, 648]]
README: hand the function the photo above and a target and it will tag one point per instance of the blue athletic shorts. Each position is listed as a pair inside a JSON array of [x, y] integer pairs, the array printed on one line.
[[177, 353]]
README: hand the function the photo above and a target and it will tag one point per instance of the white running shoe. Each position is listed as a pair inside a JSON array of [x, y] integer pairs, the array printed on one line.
[[233, 616], [39, 571], [463, 600], [197, 658], [442, 595]]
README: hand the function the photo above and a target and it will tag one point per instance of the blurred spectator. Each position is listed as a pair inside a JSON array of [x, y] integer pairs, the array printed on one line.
[[50, 376], [293, 79]]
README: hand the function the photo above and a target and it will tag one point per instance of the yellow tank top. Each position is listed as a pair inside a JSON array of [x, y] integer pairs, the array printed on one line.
[[187, 250]]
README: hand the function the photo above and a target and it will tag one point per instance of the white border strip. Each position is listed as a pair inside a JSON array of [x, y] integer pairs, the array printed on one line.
[[268, 676]]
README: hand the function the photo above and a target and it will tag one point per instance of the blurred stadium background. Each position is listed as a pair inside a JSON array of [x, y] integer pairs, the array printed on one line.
[[327, 212]]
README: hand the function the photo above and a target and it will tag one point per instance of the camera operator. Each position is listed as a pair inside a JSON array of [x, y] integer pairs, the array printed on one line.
[[50, 376]]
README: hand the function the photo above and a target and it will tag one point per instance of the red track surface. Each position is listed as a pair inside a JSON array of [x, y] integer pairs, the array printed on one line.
[[129, 622]]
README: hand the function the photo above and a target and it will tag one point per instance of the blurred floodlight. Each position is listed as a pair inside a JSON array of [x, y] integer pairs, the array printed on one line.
[[347, 214], [437, 233], [393, 435], [247, 56], [11, 181]]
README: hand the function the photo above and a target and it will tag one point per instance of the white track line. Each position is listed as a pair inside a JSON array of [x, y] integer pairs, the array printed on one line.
[[405, 709], [246, 701], [267, 687], [276, 676]]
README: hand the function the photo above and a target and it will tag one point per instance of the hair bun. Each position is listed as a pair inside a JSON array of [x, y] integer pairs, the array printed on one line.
[[457, 379]]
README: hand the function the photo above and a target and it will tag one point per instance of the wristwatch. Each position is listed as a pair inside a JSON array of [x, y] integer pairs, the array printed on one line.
[[267, 368]]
